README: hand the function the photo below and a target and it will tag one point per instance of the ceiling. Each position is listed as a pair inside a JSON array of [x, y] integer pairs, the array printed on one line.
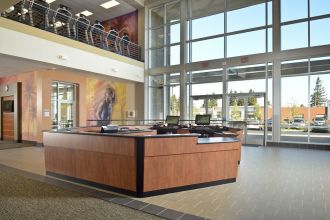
[[99, 13], [10, 65]]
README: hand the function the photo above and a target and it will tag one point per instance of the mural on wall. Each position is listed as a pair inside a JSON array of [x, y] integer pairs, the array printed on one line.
[[124, 24], [106, 100], [8, 80], [29, 103]]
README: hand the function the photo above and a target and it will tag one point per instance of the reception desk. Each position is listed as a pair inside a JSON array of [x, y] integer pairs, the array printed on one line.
[[141, 163]]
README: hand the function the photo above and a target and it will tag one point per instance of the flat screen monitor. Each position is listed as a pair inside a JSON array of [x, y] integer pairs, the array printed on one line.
[[109, 129], [172, 120], [8, 106], [203, 119]]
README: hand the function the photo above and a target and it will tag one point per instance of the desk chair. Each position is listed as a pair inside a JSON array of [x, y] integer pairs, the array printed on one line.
[[38, 14], [112, 40], [80, 28], [97, 35], [124, 43], [61, 22]]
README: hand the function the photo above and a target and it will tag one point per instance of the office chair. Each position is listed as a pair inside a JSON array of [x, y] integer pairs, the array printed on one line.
[[97, 35], [125, 44], [80, 28], [38, 14], [61, 21], [112, 40]]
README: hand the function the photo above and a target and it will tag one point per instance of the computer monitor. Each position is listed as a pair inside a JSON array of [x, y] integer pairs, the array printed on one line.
[[202, 119], [109, 129], [172, 120]]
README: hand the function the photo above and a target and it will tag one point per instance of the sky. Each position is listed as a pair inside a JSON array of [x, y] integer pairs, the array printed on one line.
[[294, 89]]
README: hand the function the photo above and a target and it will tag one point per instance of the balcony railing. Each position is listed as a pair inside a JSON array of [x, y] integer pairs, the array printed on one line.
[[61, 22]]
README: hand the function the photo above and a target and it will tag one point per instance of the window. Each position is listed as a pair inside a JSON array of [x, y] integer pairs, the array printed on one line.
[[207, 49], [63, 105], [294, 36], [320, 32], [254, 16], [208, 26], [246, 43], [156, 17], [293, 10], [319, 7]]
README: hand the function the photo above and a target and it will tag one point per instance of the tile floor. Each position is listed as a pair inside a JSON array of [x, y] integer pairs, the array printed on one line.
[[273, 183]]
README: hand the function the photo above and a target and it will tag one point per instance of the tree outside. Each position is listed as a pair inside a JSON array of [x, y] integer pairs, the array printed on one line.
[[319, 96], [174, 105]]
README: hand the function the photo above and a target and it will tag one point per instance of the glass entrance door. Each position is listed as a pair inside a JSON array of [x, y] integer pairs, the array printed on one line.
[[248, 108], [63, 108], [207, 104]]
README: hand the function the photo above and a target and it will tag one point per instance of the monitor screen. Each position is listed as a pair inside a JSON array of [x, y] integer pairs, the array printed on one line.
[[202, 119], [172, 120]]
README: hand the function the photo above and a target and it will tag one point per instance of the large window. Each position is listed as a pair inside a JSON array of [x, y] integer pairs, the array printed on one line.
[[205, 89], [304, 99], [301, 24], [164, 97], [164, 35]]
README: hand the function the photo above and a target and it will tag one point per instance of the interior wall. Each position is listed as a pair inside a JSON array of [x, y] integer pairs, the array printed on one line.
[[36, 98], [124, 24]]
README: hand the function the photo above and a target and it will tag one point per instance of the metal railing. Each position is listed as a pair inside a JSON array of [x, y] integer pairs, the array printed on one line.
[[150, 122], [61, 22]]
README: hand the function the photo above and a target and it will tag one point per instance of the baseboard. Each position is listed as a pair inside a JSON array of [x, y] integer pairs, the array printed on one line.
[[299, 145], [35, 143]]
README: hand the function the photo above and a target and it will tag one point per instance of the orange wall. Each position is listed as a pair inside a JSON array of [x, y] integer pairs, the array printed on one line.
[[36, 98]]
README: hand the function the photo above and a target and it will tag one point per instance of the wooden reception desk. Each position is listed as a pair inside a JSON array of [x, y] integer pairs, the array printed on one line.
[[141, 163]]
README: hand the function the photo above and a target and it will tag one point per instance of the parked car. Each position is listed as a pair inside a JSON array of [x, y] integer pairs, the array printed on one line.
[[319, 121], [320, 125], [270, 124], [254, 124], [298, 123]]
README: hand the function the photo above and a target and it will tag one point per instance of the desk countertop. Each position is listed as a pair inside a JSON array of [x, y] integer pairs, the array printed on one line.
[[213, 140]]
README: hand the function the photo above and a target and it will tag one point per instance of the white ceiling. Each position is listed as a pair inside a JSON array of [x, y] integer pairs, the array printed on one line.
[[99, 13], [10, 65]]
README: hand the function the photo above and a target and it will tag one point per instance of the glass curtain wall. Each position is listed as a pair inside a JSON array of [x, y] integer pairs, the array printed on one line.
[[219, 35], [310, 20], [305, 89], [164, 35], [216, 31], [164, 93], [205, 89]]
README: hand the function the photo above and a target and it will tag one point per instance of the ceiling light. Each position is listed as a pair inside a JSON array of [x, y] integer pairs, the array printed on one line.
[[86, 13], [50, 1], [110, 4]]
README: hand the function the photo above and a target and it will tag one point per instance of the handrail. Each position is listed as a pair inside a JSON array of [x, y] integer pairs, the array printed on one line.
[[24, 13]]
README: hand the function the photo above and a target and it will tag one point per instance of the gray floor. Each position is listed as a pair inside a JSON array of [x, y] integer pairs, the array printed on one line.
[[273, 183]]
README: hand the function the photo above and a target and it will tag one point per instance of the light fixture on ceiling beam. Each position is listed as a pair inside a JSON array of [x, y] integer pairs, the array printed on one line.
[[86, 13], [109, 4], [50, 1]]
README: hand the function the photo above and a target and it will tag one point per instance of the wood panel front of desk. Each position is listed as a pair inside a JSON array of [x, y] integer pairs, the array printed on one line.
[[100, 159], [178, 162]]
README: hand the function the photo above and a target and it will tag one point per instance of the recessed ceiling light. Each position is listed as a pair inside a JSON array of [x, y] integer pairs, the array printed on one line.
[[86, 13], [50, 1], [110, 4]]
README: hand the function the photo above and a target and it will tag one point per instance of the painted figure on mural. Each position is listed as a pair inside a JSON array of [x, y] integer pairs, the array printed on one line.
[[104, 109]]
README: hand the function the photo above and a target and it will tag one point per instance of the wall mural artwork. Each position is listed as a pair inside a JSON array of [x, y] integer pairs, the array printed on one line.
[[106, 100], [124, 24], [29, 103]]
